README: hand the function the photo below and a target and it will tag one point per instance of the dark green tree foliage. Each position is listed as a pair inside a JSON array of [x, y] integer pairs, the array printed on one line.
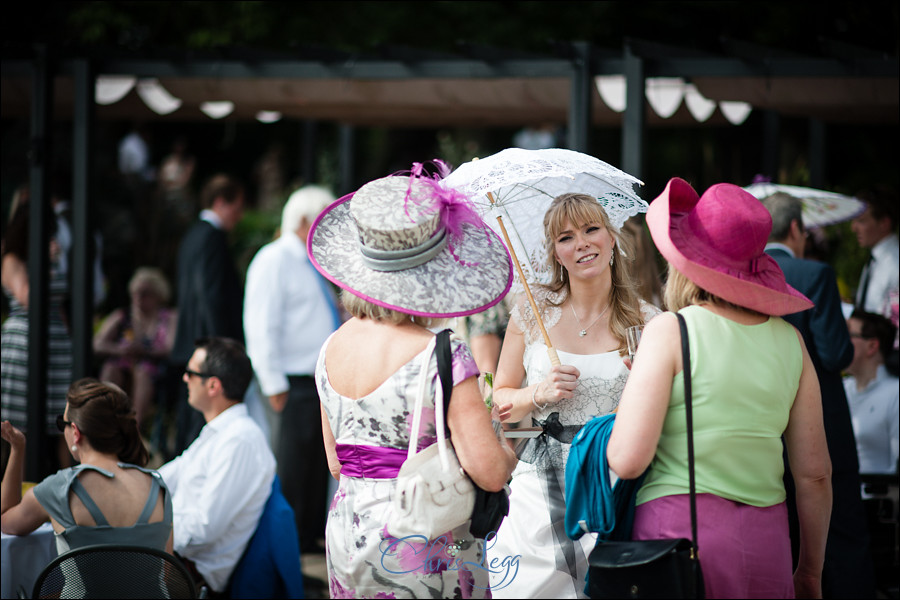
[[440, 26]]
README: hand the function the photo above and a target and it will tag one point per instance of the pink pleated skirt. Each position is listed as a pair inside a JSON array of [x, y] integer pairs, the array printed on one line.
[[745, 551]]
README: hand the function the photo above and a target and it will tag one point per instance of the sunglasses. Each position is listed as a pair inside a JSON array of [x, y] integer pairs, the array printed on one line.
[[61, 423], [192, 373]]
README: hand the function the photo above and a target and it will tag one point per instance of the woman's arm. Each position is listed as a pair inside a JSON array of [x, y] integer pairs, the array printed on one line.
[[334, 465], [171, 328], [811, 469], [20, 516], [15, 278], [514, 401], [160, 349], [645, 400], [488, 462], [105, 342], [510, 375], [11, 487]]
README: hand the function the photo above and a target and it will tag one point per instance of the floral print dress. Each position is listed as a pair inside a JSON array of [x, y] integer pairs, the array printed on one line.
[[372, 435]]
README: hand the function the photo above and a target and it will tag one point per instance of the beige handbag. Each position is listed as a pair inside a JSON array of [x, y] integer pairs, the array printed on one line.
[[433, 494]]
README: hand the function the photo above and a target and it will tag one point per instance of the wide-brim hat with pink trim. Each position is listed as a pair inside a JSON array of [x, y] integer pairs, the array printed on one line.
[[408, 244], [718, 241]]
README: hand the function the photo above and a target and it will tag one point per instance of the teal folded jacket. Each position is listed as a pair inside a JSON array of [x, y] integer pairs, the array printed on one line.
[[592, 503]]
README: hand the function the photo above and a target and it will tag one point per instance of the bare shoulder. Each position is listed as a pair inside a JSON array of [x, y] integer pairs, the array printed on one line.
[[363, 353], [662, 322]]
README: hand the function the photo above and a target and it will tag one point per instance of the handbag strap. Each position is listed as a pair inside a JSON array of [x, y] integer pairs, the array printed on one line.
[[440, 425], [445, 371], [688, 409]]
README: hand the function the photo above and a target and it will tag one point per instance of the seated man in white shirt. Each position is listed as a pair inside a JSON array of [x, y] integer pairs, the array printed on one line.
[[873, 394], [220, 484]]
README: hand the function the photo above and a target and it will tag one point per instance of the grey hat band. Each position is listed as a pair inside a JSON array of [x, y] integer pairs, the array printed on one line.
[[399, 260]]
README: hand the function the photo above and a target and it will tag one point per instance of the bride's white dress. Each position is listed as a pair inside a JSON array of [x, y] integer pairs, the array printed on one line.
[[550, 564]]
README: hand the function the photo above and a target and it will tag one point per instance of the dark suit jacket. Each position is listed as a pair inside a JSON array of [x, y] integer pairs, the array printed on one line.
[[210, 294], [825, 333], [848, 564]]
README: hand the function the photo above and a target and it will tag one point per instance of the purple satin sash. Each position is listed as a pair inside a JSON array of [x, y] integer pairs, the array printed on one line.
[[372, 462]]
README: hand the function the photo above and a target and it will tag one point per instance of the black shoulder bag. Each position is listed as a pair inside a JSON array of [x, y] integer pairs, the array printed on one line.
[[490, 507], [654, 568]]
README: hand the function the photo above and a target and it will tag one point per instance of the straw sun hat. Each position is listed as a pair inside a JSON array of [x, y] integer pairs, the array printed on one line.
[[718, 241], [408, 244]]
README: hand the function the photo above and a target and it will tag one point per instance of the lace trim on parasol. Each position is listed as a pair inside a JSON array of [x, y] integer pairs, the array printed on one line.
[[621, 207]]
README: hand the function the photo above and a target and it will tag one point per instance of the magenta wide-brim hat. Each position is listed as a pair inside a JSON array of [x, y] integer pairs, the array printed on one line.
[[466, 275], [718, 241]]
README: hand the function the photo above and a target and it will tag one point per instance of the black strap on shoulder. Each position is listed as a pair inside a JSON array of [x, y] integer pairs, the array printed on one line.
[[445, 372], [688, 409]]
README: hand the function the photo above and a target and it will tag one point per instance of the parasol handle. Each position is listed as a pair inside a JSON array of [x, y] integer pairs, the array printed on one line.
[[551, 351]]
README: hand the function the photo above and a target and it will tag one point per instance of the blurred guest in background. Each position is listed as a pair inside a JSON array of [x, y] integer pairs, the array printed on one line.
[[876, 228], [136, 340], [134, 156], [269, 174], [174, 204], [289, 312], [879, 283], [14, 359], [873, 393], [848, 565], [210, 294]]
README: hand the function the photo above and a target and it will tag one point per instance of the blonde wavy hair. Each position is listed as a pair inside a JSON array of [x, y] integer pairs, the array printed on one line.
[[580, 209], [363, 309], [681, 291], [154, 278]]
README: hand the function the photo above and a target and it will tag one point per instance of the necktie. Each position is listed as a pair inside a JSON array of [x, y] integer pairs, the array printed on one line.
[[330, 299], [863, 290]]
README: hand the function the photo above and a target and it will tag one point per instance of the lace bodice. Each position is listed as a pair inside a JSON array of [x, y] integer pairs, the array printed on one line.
[[602, 378], [548, 305]]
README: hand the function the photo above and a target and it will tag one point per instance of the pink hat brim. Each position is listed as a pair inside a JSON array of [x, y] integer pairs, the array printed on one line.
[[765, 290]]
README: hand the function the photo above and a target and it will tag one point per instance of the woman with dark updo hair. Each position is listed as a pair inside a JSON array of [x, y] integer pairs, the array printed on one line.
[[110, 498]]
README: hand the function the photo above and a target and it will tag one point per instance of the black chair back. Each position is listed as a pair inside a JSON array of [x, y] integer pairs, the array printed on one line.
[[114, 571]]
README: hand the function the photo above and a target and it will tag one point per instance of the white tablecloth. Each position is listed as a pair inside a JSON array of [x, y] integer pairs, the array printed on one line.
[[23, 558]]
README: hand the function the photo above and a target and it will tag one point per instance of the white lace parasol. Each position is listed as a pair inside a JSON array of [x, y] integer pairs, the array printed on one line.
[[820, 208], [523, 183]]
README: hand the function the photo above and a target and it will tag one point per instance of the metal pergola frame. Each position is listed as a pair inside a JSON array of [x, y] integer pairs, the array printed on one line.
[[578, 62]]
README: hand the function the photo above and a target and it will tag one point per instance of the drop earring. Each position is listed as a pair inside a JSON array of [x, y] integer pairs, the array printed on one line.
[[611, 258], [74, 448]]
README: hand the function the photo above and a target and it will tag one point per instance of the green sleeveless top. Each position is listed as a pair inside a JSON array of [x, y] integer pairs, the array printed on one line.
[[744, 380], [53, 495]]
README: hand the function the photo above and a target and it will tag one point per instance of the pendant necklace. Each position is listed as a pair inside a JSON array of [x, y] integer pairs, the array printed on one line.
[[583, 331]]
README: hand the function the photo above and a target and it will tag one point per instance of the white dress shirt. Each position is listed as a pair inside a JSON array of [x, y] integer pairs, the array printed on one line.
[[287, 316], [884, 275], [219, 486], [875, 412], [211, 217], [134, 156]]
